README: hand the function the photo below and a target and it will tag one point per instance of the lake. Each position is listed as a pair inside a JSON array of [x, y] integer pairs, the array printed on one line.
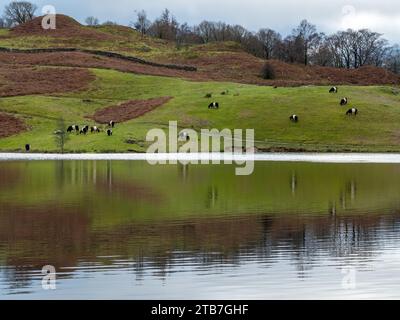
[[129, 230]]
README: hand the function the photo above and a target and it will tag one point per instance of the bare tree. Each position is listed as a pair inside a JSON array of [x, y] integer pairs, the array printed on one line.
[[205, 31], [270, 40], [354, 49], [142, 24], [237, 33], [185, 36], [323, 55], [165, 27], [293, 49], [92, 21], [392, 59], [370, 47], [18, 12], [308, 35]]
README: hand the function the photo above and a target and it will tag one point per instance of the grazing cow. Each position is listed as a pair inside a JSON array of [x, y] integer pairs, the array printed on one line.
[[111, 124], [333, 90], [184, 136], [352, 112], [213, 105], [72, 128], [344, 101], [84, 130], [109, 132], [94, 129], [27, 147], [294, 118]]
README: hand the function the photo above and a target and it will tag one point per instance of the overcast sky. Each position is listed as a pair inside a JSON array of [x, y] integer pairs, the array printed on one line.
[[282, 15]]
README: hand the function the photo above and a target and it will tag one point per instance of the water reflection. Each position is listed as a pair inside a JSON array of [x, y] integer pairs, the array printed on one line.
[[165, 221]]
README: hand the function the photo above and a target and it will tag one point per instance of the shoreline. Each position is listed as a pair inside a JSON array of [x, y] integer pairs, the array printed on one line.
[[389, 158]]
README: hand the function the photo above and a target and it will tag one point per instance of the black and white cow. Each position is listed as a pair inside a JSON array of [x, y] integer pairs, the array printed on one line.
[[294, 118], [109, 132], [94, 129], [213, 105], [352, 112], [333, 90], [72, 128], [111, 124], [184, 136], [344, 101], [84, 130]]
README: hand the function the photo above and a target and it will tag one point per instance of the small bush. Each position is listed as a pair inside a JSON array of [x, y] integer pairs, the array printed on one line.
[[268, 71], [208, 95]]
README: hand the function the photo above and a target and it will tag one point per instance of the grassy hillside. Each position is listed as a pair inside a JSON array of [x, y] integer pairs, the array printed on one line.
[[323, 125], [37, 89]]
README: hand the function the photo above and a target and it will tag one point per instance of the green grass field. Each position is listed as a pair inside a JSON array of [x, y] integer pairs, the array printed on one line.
[[323, 124]]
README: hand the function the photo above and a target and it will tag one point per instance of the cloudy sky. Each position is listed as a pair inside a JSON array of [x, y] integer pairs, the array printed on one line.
[[282, 15]]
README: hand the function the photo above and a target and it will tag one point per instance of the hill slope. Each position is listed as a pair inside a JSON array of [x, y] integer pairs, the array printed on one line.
[[214, 61], [37, 89], [323, 124]]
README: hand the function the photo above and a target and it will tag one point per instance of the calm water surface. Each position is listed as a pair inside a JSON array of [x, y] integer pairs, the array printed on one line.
[[128, 230]]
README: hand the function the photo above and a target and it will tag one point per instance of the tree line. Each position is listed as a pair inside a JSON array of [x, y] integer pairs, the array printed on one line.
[[305, 44]]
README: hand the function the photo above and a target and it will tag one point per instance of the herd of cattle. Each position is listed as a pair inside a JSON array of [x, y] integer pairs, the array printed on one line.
[[94, 129], [343, 102], [214, 105], [295, 118]]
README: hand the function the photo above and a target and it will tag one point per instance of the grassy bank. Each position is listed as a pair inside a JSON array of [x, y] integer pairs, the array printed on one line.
[[323, 124]]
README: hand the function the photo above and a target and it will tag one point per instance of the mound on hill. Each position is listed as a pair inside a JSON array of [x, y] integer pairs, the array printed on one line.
[[10, 125], [65, 27]]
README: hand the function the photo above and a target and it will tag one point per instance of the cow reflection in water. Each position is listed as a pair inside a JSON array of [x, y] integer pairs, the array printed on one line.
[[293, 183], [348, 196], [183, 170], [351, 189], [212, 197]]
